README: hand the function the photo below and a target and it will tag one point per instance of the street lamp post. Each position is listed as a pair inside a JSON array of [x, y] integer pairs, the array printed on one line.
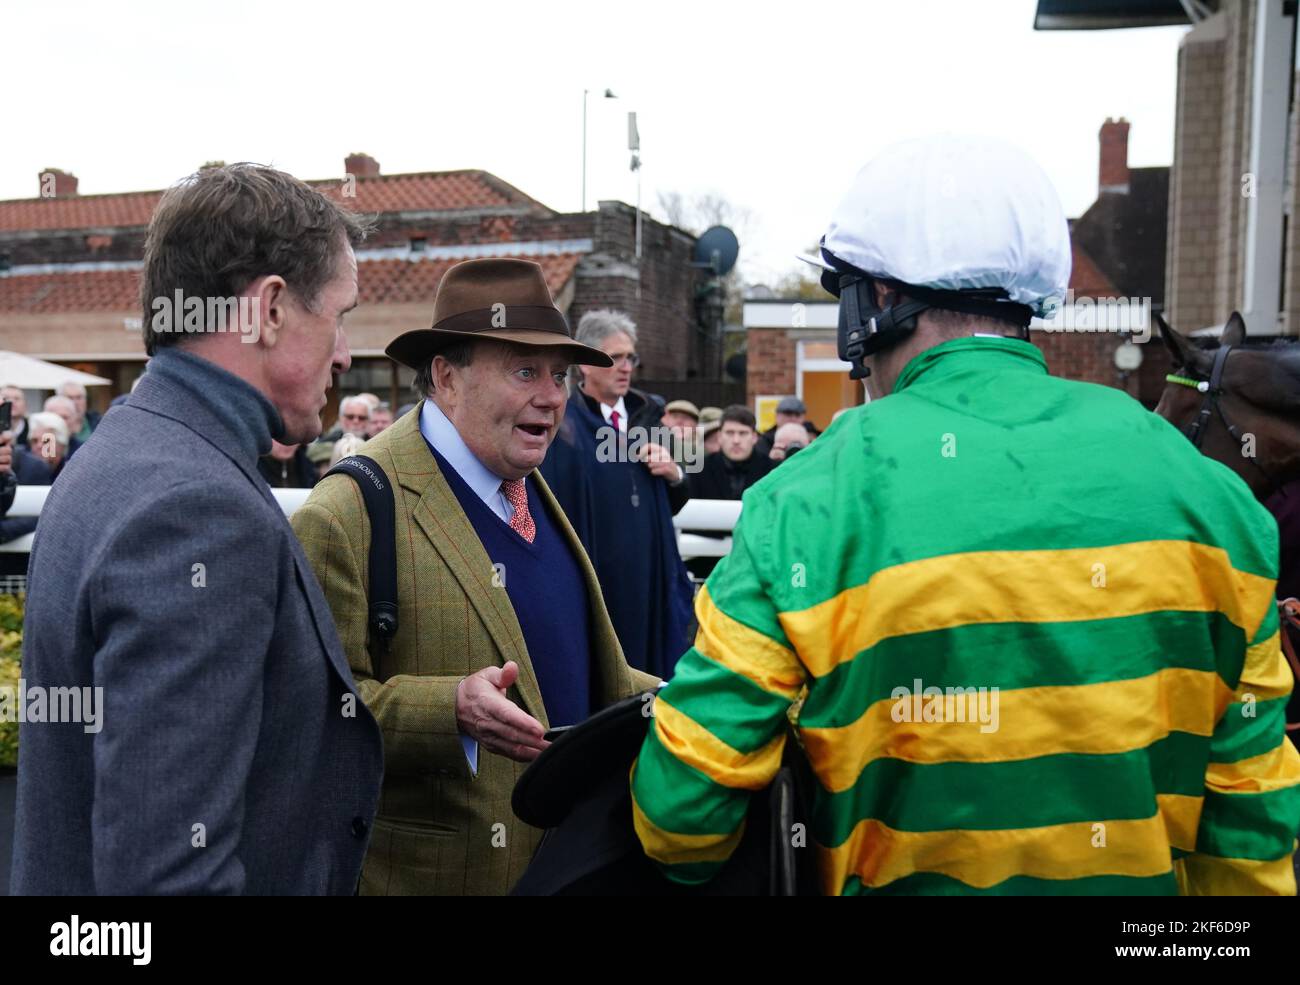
[[609, 94]]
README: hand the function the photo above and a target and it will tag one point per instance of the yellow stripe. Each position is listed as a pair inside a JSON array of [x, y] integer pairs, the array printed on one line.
[[1265, 674], [1182, 816], [878, 854], [676, 849], [746, 651], [1204, 875], [1026, 586], [1111, 717], [696, 746], [1276, 769]]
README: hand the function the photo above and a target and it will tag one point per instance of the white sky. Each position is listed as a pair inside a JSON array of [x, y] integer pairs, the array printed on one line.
[[774, 105]]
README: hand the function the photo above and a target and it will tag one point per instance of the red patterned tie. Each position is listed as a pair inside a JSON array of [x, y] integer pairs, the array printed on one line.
[[613, 419], [521, 522]]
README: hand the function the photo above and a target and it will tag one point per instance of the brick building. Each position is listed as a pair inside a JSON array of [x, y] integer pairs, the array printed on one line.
[[1235, 181], [70, 268]]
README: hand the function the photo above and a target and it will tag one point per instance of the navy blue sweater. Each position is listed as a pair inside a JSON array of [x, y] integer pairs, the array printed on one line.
[[548, 594]]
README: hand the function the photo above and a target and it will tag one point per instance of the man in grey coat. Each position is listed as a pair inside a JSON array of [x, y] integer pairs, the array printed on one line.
[[191, 725]]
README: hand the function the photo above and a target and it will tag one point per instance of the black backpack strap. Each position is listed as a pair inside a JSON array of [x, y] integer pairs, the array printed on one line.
[[378, 495]]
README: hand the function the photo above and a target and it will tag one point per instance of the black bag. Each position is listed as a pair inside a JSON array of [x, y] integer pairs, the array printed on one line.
[[578, 790], [377, 493]]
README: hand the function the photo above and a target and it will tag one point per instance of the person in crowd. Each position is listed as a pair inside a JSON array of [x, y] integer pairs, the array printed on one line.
[[75, 392], [1001, 685], [27, 470], [381, 418], [15, 395], [228, 751], [320, 454], [50, 441], [708, 432], [620, 490], [503, 632], [287, 467], [72, 418], [354, 415], [682, 417], [789, 438], [789, 410], [349, 444], [737, 465]]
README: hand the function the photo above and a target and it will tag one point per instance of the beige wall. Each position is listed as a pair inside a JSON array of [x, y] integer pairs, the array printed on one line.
[[1207, 211]]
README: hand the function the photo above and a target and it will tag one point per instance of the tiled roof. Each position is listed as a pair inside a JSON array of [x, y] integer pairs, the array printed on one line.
[[406, 281], [436, 191], [84, 290], [1125, 234], [1086, 278], [381, 282]]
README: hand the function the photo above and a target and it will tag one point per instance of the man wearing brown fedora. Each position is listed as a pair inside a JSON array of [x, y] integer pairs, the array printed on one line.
[[503, 631]]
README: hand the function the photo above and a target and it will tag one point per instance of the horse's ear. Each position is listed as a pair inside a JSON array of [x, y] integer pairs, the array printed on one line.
[[1234, 333], [1178, 346]]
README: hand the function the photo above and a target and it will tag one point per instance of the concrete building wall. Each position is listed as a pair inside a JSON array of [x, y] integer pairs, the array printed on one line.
[[1195, 180]]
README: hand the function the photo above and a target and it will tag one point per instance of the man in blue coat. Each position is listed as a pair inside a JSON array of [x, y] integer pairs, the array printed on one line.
[[189, 721], [620, 489]]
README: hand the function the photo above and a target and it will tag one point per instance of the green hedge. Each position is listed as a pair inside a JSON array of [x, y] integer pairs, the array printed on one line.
[[11, 654]]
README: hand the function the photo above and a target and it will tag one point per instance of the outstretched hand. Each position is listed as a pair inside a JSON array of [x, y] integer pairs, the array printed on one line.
[[485, 714]]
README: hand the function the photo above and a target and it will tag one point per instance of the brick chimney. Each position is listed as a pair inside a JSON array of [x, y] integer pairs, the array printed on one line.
[[361, 165], [57, 184], [1113, 169]]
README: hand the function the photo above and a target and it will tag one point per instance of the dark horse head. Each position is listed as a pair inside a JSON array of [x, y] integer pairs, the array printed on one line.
[[1247, 414]]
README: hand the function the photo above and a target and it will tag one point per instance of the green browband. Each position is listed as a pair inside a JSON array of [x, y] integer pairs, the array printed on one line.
[[1201, 385]]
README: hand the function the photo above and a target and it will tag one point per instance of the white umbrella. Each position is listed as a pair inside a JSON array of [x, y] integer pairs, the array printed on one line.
[[36, 374]]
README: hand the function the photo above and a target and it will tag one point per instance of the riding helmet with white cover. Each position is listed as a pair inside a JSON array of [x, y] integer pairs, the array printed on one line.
[[964, 223]]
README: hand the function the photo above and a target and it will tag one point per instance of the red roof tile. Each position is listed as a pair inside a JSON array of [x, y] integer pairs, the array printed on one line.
[[405, 281], [86, 290], [437, 191], [1086, 278], [381, 282]]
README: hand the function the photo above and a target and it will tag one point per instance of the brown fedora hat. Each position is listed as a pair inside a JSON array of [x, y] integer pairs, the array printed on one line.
[[493, 298]]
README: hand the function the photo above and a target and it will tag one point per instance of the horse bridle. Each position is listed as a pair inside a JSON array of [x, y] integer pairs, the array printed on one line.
[[1212, 388]]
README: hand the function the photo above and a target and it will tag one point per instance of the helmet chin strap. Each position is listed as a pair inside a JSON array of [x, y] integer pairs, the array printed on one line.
[[864, 328]]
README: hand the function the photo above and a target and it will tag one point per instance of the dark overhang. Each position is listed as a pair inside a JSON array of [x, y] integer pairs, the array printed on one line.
[[1095, 15]]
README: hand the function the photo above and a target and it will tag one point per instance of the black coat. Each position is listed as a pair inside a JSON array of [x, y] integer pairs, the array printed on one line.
[[624, 517], [296, 473], [30, 471], [721, 478]]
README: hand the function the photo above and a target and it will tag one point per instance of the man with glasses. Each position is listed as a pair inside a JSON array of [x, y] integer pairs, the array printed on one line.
[[354, 415], [620, 488]]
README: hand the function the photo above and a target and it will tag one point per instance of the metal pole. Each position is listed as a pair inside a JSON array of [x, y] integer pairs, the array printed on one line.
[[1270, 86]]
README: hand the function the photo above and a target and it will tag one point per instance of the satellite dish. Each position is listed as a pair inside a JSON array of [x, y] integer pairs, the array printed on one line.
[[717, 250]]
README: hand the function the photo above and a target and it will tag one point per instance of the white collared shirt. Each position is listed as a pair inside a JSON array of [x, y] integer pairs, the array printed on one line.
[[607, 410], [442, 434]]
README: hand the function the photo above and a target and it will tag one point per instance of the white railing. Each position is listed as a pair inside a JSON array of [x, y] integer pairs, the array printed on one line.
[[715, 515]]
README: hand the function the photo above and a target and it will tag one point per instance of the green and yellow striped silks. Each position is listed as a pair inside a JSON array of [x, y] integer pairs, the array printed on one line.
[[1100, 594]]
